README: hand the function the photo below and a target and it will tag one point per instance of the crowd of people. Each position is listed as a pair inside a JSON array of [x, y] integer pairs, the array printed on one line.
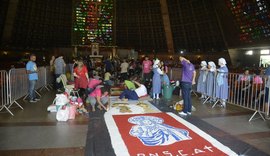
[[93, 82]]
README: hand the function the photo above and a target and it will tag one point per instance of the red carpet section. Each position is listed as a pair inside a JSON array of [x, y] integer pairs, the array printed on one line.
[[160, 134]]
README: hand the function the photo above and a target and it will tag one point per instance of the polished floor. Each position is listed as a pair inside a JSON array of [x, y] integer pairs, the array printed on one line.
[[34, 131]]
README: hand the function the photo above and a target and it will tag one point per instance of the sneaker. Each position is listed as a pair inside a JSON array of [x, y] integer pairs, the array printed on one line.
[[182, 113], [188, 113], [37, 99], [32, 101]]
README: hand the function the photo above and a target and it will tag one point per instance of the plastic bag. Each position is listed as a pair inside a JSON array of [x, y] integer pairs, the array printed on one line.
[[61, 99], [62, 114]]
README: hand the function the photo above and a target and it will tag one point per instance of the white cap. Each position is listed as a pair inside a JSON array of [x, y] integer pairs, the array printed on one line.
[[222, 61], [203, 63]]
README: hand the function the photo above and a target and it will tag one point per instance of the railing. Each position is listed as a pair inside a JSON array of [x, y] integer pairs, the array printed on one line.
[[14, 85], [4, 90], [250, 94], [246, 94]]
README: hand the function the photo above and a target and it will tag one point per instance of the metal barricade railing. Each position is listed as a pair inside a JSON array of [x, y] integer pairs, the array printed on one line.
[[49, 76], [175, 73], [43, 78], [14, 85], [4, 92], [17, 84], [249, 93]]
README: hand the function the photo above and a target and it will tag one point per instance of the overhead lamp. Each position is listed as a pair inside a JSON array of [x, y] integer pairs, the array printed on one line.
[[250, 52]]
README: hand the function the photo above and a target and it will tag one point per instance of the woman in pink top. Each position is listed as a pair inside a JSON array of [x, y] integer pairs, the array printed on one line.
[[92, 84], [147, 68], [98, 96]]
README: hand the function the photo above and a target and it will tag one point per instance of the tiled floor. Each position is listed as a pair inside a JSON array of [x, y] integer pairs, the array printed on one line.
[[34, 131]]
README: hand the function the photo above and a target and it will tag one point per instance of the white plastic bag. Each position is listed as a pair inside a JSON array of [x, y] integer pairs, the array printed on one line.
[[61, 99], [51, 108], [62, 114]]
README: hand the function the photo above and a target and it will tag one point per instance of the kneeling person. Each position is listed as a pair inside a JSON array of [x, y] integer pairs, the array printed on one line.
[[134, 94], [99, 96]]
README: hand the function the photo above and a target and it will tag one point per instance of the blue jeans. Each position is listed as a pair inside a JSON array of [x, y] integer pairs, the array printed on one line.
[[129, 94], [58, 85], [32, 94], [186, 93]]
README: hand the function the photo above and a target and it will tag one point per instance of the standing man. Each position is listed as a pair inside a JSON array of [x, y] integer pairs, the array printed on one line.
[[32, 71], [124, 70], [59, 66], [188, 79]]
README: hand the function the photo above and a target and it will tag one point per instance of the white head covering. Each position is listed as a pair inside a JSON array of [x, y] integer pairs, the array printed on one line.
[[203, 63], [222, 61], [156, 62], [212, 64]]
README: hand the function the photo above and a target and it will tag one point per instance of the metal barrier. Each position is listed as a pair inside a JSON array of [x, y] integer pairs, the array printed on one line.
[[246, 94], [4, 92], [14, 85], [42, 76], [49, 77], [249, 93], [18, 85]]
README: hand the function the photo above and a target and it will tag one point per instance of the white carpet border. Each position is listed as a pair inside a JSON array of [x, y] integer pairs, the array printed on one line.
[[204, 135], [120, 148]]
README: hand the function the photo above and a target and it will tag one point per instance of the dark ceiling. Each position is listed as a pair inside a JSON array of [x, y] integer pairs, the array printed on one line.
[[195, 25]]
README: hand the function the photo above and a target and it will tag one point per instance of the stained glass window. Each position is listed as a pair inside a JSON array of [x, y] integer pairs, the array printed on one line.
[[93, 22], [252, 18]]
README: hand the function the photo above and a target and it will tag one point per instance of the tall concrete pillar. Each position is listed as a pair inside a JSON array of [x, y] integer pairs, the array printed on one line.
[[167, 26], [10, 18]]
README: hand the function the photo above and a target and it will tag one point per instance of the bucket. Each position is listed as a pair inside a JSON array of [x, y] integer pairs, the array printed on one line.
[[167, 91]]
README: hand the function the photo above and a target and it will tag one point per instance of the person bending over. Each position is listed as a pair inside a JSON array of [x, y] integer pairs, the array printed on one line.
[[98, 96], [134, 94]]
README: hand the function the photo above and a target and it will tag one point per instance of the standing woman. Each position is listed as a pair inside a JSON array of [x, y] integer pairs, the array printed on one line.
[[201, 85], [81, 77], [222, 89], [210, 81], [156, 84]]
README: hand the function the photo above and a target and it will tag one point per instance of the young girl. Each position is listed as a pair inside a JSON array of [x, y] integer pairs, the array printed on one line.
[[156, 79], [201, 85], [222, 88]]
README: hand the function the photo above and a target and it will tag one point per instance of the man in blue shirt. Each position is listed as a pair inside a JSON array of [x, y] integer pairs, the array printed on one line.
[[32, 71]]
